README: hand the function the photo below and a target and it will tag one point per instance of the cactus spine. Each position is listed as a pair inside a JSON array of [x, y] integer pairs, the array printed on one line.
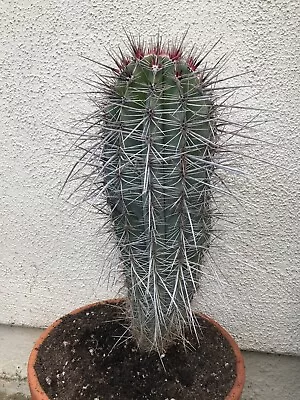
[[153, 157]]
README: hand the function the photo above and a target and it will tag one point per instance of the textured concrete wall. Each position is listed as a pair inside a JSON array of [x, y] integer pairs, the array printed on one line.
[[50, 257]]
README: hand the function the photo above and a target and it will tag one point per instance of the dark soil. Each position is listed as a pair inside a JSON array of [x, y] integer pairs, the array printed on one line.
[[91, 356]]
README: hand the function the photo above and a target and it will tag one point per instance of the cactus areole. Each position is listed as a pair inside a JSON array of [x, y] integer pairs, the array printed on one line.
[[153, 158]]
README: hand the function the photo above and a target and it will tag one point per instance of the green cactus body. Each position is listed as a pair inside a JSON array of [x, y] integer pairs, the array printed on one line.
[[158, 141]]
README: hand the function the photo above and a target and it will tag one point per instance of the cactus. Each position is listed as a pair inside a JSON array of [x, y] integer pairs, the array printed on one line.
[[152, 154]]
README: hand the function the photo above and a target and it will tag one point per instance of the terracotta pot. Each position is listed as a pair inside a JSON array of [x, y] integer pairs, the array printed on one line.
[[37, 393]]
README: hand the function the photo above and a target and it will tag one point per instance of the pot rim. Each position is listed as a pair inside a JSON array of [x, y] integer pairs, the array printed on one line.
[[38, 393]]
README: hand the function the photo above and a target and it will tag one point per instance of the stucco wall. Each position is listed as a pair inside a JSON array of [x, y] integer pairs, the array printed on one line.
[[51, 257]]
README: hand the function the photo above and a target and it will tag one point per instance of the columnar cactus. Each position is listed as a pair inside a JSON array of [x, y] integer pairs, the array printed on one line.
[[152, 155]]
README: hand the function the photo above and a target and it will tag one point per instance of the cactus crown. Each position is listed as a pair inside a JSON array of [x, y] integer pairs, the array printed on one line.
[[153, 156]]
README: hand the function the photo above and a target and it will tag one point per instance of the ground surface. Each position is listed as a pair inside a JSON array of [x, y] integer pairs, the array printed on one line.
[[13, 390]]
